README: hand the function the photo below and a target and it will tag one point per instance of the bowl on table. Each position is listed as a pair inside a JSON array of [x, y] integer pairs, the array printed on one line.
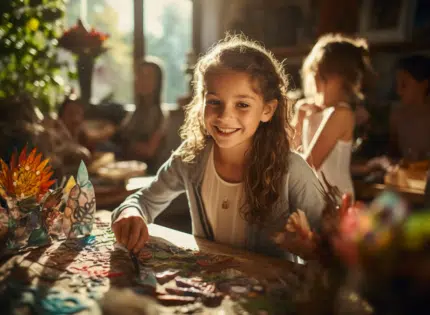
[[99, 160], [98, 129], [121, 171]]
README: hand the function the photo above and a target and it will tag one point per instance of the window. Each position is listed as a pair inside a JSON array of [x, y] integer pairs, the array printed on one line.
[[112, 77], [168, 36]]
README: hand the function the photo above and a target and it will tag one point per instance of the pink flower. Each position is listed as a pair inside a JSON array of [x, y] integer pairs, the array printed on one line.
[[348, 251]]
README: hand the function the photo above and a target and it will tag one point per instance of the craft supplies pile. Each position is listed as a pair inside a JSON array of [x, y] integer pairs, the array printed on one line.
[[53, 235], [62, 257]]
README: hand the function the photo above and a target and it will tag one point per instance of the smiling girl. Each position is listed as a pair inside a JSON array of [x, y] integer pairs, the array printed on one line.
[[235, 164]]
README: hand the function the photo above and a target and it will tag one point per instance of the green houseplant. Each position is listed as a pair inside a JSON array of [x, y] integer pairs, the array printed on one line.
[[28, 50]]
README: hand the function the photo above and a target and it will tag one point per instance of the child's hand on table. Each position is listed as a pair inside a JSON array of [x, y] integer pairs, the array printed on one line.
[[130, 230]]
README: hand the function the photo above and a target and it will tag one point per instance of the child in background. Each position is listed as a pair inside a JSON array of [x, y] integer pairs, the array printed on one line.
[[410, 122], [71, 113], [324, 125], [235, 164], [142, 135]]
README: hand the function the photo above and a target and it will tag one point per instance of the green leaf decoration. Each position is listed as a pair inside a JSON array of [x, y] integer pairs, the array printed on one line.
[[38, 237]]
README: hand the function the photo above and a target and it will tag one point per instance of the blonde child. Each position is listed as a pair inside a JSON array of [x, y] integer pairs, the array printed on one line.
[[235, 164], [324, 125]]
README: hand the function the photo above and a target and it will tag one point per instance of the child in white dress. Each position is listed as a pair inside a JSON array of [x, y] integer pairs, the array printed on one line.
[[324, 126]]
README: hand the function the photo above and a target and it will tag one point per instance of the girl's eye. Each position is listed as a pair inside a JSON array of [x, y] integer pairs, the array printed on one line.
[[213, 102], [242, 105]]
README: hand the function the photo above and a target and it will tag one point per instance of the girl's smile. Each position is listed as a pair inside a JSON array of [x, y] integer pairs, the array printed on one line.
[[233, 109], [225, 130]]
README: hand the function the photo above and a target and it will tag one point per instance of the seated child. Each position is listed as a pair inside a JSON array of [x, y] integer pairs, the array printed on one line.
[[410, 122], [235, 164]]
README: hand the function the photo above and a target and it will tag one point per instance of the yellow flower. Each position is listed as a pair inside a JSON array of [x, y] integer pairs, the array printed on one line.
[[33, 24]]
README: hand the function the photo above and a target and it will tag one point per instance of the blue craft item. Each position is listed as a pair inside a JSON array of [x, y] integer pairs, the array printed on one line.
[[44, 300], [147, 279], [56, 305], [389, 208], [88, 240], [38, 237]]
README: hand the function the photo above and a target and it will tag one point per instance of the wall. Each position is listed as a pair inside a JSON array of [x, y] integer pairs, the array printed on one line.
[[211, 21]]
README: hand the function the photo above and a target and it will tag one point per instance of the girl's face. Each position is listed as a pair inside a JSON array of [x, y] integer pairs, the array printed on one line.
[[145, 80], [233, 108], [410, 91]]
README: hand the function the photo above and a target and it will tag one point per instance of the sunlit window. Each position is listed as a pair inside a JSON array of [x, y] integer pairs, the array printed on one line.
[[168, 35], [112, 77]]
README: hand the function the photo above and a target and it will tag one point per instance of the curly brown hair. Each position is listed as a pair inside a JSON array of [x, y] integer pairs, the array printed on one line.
[[267, 159], [338, 54]]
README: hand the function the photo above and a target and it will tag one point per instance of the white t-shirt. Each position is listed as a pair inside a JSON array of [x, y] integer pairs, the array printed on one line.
[[222, 201], [336, 166]]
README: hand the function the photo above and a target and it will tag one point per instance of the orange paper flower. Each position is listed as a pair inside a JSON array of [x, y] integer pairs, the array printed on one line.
[[26, 176]]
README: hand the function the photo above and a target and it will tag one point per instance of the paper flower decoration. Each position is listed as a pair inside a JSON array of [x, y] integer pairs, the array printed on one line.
[[34, 212], [372, 228], [80, 41], [26, 176]]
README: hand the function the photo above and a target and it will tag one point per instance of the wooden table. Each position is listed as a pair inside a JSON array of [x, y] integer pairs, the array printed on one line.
[[368, 191], [45, 266], [254, 264], [258, 266]]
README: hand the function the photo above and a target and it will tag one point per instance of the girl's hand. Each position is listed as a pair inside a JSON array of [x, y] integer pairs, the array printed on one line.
[[298, 237], [130, 230]]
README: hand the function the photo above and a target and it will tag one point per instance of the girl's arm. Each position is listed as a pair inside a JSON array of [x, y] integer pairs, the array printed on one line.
[[305, 192], [297, 124], [301, 108], [340, 124], [152, 200]]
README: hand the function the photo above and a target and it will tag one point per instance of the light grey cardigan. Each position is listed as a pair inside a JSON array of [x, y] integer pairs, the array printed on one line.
[[302, 191]]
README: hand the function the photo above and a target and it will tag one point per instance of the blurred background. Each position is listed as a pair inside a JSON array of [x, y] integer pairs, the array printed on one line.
[[106, 81]]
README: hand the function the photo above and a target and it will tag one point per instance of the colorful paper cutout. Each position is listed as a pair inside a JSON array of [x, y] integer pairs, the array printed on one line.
[[26, 177], [81, 205], [33, 212]]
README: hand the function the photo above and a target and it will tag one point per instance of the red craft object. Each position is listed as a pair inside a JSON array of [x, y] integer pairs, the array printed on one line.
[[80, 41]]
